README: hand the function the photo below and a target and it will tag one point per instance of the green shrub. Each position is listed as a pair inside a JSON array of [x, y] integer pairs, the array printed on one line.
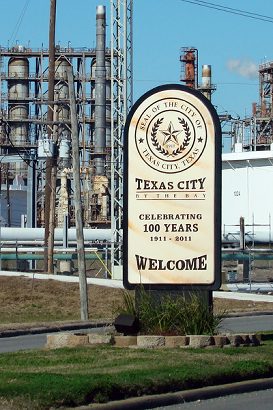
[[170, 314]]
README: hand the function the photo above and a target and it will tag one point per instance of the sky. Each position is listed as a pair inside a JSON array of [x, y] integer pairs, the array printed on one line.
[[233, 45]]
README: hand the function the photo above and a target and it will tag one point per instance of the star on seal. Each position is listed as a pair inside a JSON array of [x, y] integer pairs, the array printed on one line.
[[170, 134]]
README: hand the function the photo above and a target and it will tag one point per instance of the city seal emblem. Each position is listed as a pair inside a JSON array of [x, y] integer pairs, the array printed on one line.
[[170, 135]]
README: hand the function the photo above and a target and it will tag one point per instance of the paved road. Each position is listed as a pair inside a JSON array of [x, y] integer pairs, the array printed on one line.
[[13, 344], [262, 400], [236, 324], [248, 324], [36, 341]]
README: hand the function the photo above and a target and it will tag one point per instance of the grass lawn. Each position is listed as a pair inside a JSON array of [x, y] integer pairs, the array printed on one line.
[[69, 377]]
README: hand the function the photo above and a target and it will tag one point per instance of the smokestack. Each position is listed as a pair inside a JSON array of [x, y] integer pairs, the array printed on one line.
[[100, 94], [206, 81], [254, 109], [189, 64]]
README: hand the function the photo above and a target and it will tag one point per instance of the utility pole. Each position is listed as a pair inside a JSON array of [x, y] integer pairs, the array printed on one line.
[[77, 196], [8, 195], [51, 165], [0, 213]]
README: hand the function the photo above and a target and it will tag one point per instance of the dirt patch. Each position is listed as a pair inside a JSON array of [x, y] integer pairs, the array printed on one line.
[[33, 300], [24, 300], [236, 306]]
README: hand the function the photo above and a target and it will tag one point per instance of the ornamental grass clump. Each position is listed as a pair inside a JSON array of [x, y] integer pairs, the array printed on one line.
[[198, 319], [169, 314]]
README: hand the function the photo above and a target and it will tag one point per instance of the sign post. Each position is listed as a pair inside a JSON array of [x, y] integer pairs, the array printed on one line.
[[172, 192]]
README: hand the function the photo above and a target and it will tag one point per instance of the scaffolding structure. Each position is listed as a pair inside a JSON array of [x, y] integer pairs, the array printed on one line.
[[189, 66], [255, 132], [24, 105], [190, 70], [122, 99], [24, 144]]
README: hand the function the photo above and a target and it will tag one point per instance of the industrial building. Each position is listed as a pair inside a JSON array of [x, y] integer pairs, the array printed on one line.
[[247, 169], [102, 80]]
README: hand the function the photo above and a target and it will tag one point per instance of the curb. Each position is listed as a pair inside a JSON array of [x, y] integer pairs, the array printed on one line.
[[86, 325], [257, 313], [52, 329], [159, 400]]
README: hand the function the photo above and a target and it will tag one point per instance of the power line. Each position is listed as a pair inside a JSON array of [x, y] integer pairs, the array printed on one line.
[[236, 10], [19, 21], [237, 83], [230, 10]]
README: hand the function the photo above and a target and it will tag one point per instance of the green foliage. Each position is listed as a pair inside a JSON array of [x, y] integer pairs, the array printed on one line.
[[170, 314], [128, 304], [73, 377], [197, 318]]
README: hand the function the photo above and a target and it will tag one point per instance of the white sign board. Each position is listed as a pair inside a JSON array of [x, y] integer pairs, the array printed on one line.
[[172, 198]]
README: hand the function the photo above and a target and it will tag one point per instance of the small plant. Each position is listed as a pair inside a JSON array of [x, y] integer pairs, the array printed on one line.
[[198, 319], [170, 314], [127, 305]]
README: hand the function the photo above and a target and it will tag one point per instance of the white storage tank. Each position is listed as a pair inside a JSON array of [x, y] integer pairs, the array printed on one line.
[[247, 180], [62, 89], [18, 94], [18, 107]]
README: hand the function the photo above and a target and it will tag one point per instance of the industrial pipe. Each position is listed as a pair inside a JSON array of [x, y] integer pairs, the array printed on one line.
[[56, 256], [100, 94], [37, 234], [241, 256], [206, 81], [261, 236]]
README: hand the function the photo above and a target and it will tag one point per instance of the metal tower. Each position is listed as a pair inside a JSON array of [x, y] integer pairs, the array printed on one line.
[[122, 95], [23, 122]]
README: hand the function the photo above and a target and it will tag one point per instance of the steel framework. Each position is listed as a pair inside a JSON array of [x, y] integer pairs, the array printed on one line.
[[35, 121], [122, 96], [36, 101]]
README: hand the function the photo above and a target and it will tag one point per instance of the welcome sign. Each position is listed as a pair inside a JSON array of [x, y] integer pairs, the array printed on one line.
[[172, 191]]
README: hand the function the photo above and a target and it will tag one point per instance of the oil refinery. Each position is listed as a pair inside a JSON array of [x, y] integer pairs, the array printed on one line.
[[103, 83], [247, 168], [103, 89]]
